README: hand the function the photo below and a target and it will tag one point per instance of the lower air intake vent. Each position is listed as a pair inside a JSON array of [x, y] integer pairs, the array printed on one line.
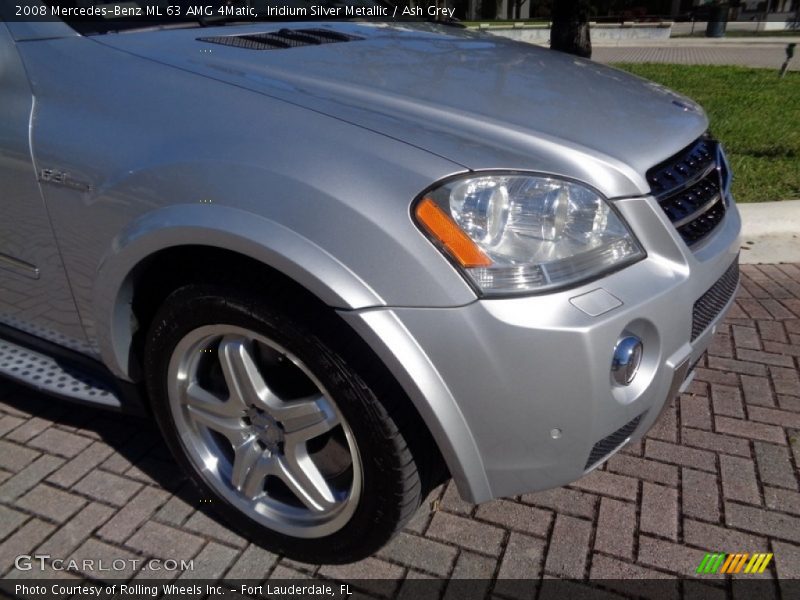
[[285, 38], [709, 305], [610, 443]]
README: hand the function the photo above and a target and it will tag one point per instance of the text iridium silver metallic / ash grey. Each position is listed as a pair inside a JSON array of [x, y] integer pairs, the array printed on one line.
[[341, 261]]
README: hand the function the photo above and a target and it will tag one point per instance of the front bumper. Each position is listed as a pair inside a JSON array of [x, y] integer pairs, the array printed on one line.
[[518, 392]]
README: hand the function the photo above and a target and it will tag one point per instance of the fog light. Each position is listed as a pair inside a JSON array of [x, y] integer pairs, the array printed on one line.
[[627, 358]]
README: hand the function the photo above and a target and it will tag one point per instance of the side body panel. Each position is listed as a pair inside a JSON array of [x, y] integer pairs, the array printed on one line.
[[34, 293]]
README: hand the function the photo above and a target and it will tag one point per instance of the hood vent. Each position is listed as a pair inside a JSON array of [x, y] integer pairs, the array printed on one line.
[[285, 38]]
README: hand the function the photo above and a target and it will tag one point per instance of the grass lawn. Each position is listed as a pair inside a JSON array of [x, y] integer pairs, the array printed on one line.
[[754, 113]]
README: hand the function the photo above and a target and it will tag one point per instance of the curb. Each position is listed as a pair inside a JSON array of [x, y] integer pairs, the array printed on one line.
[[770, 232]]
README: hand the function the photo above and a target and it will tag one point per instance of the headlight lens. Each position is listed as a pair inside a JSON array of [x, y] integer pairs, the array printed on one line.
[[520, 234]]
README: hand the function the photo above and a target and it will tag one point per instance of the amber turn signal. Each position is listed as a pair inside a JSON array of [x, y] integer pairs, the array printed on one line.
[[444, 229]]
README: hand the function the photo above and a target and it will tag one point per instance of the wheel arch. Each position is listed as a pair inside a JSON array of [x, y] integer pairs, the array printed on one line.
[[161, 252], [183, 237]]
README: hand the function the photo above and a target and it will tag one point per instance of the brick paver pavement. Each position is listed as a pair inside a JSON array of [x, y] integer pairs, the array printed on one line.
[[769, 56], [719, 472]]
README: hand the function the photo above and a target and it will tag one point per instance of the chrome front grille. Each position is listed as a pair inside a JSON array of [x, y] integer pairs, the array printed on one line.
[[691, 187], [710, 304]]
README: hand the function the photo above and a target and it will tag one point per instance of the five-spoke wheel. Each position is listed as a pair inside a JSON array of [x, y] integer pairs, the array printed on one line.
[[291, 433], [264, 431]]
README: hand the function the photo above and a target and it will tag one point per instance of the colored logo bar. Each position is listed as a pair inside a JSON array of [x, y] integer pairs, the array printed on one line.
[[719, 562]]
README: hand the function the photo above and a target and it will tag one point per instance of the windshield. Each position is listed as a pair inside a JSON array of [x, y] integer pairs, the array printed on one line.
[[102, 16]]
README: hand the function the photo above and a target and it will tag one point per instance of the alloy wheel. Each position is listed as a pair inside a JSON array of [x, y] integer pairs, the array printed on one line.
[[263, 431]]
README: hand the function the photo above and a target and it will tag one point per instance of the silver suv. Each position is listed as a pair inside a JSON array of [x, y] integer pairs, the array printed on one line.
[[342, 261]]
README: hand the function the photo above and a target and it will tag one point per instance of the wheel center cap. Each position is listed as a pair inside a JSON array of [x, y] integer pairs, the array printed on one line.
[[267, 430]]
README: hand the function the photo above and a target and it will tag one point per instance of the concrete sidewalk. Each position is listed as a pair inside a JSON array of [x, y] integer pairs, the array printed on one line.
[[770, 232], [758, 55], [703, 42], [758, 52]]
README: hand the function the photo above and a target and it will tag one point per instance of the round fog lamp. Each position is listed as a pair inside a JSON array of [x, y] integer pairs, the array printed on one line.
[[627, 358]]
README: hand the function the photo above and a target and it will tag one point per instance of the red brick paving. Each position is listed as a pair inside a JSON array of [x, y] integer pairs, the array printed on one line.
[[719, 474]]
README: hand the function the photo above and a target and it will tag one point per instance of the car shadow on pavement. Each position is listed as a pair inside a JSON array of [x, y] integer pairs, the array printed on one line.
[[120, 464], [127, 446]]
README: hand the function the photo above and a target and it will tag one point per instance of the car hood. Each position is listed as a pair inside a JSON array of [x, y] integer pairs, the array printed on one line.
[[480, 101]]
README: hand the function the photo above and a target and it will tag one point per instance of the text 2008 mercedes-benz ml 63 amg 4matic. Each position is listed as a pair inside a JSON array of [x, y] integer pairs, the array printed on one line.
[[341, 261]]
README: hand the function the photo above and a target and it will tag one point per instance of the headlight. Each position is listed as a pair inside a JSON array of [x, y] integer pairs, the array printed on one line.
[[515, 234]]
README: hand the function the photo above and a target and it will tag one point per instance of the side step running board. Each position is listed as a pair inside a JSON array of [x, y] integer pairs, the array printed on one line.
[[51, 376]]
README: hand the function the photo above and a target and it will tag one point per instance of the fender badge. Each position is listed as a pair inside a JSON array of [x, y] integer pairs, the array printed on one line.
[[56, 177]]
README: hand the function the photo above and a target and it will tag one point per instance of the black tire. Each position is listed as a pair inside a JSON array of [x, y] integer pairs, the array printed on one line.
[[392, 484]]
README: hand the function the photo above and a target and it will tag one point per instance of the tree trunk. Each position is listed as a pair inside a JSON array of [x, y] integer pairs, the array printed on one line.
[[570, 31], [488, 9]]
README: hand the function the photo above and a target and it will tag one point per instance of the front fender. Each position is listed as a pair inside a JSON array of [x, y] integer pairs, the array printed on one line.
[[312, 267], [215, 226], [420, 379]]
